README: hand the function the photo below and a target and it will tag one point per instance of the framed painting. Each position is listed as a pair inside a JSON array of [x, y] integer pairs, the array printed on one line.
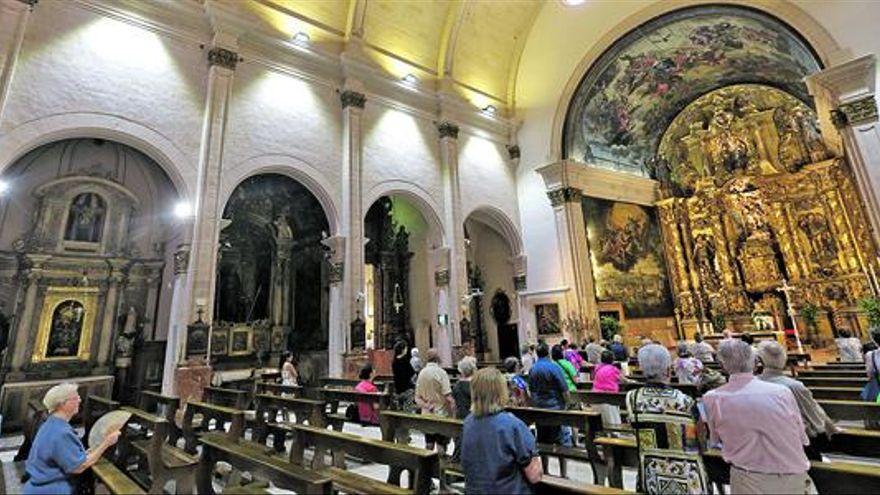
[[219, 342], [241, 340], [67, 321], [547, 319]]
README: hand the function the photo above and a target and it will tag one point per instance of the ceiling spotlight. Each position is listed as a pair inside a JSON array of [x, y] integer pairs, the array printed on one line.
[[301, 38], [183, 210], [4, 186], [410, 79], [490, 110], [573, 3]]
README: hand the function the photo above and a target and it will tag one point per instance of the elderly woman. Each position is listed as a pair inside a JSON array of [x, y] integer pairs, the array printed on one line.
[[519, 388], [499, 453], [57, 453], [461, 392], [687, 368], [665, 420], [818, 425]]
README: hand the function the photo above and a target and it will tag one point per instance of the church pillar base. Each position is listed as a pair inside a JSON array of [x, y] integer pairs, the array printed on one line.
[[190, 381]]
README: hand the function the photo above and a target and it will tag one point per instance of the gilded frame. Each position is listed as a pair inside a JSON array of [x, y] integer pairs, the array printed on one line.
[[249, 339], [55, 296]]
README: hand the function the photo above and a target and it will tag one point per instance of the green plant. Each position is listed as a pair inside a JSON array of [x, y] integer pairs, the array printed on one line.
[[871, 307], [810, 314], [609, 326], [719, 323]]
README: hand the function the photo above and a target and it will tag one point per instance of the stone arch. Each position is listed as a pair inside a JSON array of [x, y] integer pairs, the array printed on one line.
[[819, 39], [498, 221], [304, 173], [419, 198], [33, 134]]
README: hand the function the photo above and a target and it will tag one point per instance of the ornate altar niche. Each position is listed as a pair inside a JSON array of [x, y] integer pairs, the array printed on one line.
[[751, 198], [84, 292]]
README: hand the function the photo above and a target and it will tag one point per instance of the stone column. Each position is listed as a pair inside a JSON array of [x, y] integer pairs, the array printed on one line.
[[14, 15], [153, 277], [447, 305], [108, 320], [352, 209], [571, 234], [338, 326], [518, 263], [26, 328], [845, 97], [453, 221], [178, 319], [206, 230]]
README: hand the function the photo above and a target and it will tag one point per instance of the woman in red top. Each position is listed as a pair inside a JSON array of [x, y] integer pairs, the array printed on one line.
[[368, 412]]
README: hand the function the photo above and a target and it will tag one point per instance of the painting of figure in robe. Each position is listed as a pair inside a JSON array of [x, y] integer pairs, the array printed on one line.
[[66, 329], [626, 253], [85, 220]]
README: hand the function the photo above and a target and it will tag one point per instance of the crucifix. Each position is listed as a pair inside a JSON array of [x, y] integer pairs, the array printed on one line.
[[786, 290]]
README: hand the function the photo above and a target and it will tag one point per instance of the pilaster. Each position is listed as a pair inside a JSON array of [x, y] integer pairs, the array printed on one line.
[[337, 326], [520, 285], [14, 15], [453, 220], [177, 320]]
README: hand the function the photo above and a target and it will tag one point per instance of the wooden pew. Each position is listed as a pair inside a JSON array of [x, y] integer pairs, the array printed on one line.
[[423, 464], [248, 456], [589, 423], [554, 485], [850, 410], [833, 382], [153, 402], [687, 388], [334, 396], [835, 393], [94, 407], [268, 407], [349, 383], [856, 442], [114, 479], [839, 366], [395, 426], [192, 428], [852, 374], [36, 415], [227, 397], [278, 389], [145, 436]]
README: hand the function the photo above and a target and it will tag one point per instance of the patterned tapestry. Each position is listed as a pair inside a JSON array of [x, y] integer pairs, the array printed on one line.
[[626, 252], [635, 89]]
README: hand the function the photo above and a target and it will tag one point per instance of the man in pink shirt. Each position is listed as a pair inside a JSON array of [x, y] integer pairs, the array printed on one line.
[[760, 428]]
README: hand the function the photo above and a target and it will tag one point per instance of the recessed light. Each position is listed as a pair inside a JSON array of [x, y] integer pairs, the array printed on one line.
[[573, 3], [410, 79], [183, 210], [490, 110]]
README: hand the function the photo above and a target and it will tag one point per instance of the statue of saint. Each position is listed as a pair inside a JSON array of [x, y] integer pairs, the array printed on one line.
[[704, 259], [126, 338]]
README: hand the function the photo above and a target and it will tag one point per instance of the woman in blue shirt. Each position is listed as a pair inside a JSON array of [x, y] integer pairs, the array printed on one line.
[[498, 452], [57, 453]]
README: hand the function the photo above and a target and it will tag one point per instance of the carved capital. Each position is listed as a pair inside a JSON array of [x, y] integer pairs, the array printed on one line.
[[181, 261], [563, 195], [351, 98], [513, 151], [441, 278], [222, 57], [861, 111], [447, 130], [519, 283], [337, 271]]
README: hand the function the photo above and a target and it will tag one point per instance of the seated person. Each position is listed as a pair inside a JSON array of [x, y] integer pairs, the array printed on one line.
[[849, 348], [608, 376], [499, 453], [368, 412], [687, 368]]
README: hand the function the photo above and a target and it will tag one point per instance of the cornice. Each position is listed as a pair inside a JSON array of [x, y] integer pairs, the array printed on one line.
[[599, 183], [184, 21]]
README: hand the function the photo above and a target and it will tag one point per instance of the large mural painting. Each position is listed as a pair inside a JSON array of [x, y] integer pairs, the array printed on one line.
[[626, 253], [645, 79]]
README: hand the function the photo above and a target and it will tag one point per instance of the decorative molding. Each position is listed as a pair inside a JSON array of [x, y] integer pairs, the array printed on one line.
[[519, 283], [222, 57], [181, 261], [441, 278], [559, 197], [861, 111], [336, 272], [447, 130], [513, 151], [351, 98]]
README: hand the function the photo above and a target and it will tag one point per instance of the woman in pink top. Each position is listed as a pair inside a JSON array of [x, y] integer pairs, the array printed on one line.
[[607, 377], [368, 412]]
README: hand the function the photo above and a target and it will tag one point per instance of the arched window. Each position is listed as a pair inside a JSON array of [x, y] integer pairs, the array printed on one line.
[[85, 219]]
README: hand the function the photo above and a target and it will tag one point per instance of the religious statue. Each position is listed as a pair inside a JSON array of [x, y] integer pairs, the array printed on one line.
[[823, 249], [282, 228], [729, 151], [126, 338], [65, 330], [85, 221], [704, 259]]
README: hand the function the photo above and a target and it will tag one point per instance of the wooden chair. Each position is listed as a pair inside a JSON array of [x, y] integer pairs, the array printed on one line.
[[194, 426]]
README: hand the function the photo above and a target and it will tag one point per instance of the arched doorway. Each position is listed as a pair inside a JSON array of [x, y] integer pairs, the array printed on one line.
[[272, 287]]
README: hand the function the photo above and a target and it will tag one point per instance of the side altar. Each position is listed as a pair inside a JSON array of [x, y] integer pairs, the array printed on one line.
[[752, 199]]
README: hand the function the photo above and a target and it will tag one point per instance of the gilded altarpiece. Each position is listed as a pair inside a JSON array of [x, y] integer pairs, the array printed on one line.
[[752, 198]]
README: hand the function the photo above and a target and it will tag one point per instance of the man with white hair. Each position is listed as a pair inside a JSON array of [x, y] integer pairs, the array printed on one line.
[[759, 426], [818, 425], [57, 453]]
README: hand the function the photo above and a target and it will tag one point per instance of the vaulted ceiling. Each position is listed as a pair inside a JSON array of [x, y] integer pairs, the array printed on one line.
[[471, 46]]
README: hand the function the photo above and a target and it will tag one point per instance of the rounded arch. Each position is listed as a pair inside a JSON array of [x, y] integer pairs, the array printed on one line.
[[818, 38], [498, 221], [419, 198], [304, 173], [35, 133]]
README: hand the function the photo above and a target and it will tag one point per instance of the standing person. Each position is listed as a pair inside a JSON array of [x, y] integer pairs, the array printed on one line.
[[688, 369], [702, 350], [620, 351], [664, 420], [461, 392], [415, 360], [549, 390], [57, 453], [849, 348], [434, 395], [819, 426], [760, 427], [499, 453], [594, 352], [528, 358], [517, 385], [568, 371], [367, 412], [607, 375], [289, 375], [573, 356], [403, 373]]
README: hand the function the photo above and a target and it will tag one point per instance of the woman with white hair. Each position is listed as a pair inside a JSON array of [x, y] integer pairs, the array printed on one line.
[[665, 423], [57, 453]]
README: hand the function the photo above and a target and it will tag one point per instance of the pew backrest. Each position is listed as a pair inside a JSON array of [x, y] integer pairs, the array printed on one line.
[[167, 405], [94, 407], [278, 389], [220, 415], [227, 397]]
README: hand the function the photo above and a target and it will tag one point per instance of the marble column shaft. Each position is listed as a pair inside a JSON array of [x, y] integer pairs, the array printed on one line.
[[352, 227], [454, 226], [571, 232], [14, 15], [108, 321], [336, 324], [175, 347]]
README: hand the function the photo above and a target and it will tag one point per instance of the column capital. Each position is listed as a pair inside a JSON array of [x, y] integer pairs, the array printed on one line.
[[336, 245], [846, 82], [513, 151], [222, 57], [861, 111], [519, 283], [181, 260], [351, 98], [441, 278], [336, 272], [447, 129], [562, 195]]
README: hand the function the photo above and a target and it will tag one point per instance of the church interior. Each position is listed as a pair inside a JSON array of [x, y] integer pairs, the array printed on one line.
[[292, 246]]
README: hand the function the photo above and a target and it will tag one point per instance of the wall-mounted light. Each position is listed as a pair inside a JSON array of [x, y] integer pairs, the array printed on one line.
[[410, 79], [4, 186], [301, 38], [490, 110], [183, 210]]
